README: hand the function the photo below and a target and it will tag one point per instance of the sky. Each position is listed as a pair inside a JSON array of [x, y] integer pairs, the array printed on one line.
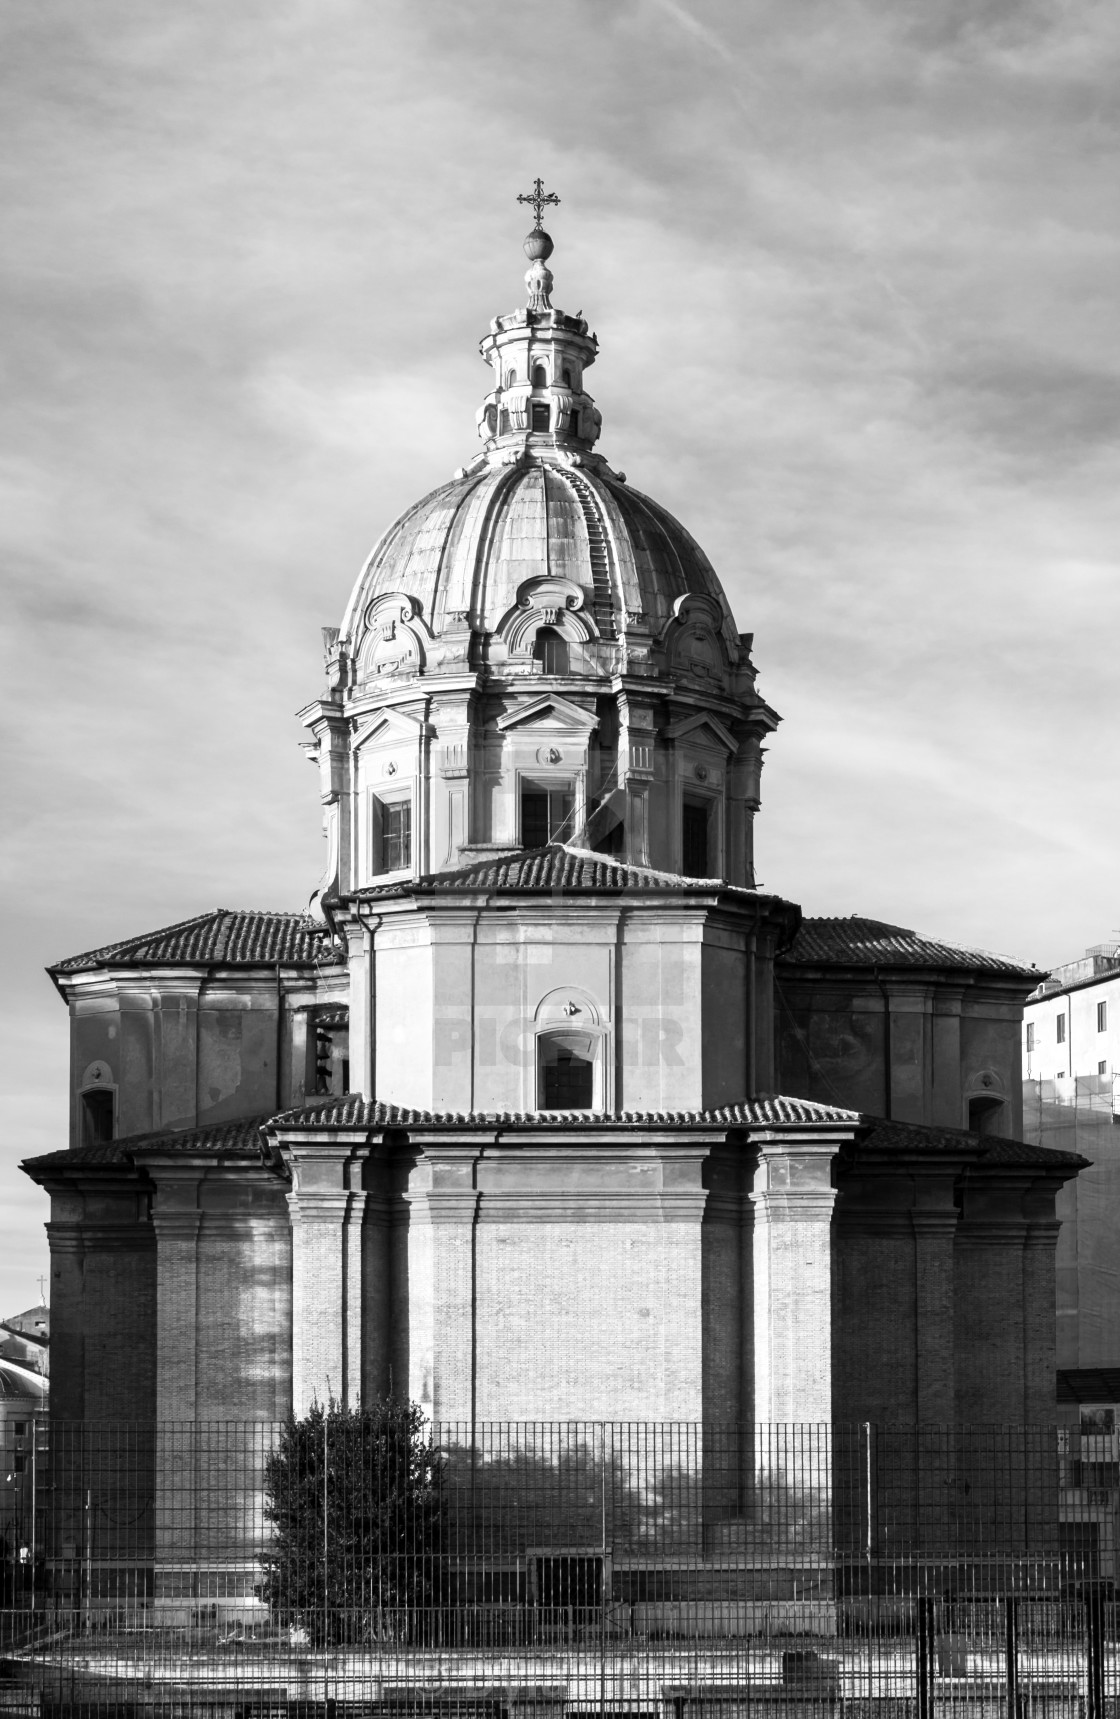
[[853, 269]]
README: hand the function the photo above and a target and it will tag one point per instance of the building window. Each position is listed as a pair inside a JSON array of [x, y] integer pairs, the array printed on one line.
[[332, 1050], [567, 378], [97, 1117], [18, 1464], [566, 1071], [503, 422], [546, 814], [573, 423], [1102, 1068], [540, 415], [1061, 1029], [983, 1114], [1102, 1017], [551, 651], [540, 376], [1030, 1035], [396, 835], [694, 838]]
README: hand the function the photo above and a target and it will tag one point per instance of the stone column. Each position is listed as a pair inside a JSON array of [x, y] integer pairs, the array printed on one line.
[[326, 1216]]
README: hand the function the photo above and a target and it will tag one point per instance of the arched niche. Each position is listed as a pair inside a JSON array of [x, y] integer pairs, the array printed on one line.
[[546, 601], [395, 638], [693, 642]]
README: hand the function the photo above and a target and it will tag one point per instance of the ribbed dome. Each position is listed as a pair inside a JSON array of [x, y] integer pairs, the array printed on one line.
[[466, 548]]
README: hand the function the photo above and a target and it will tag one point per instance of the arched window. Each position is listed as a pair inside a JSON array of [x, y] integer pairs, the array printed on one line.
[[551, 651], [511, 378], [97, 1116], [567, 378], [566, 1071], [540, 376]]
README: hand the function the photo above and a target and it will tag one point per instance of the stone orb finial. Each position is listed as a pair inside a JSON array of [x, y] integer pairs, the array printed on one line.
[[538, 246]]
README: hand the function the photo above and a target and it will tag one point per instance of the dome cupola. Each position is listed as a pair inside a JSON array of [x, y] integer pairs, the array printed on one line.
[[535, 651]]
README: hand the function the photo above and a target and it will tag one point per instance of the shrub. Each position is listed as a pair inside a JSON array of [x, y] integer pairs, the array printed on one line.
[[355, 1500]]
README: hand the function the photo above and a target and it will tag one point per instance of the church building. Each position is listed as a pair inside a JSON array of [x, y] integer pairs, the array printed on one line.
[[546, 1111]]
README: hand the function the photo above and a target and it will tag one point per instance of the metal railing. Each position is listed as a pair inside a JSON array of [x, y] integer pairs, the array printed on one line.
[[617, 1567]]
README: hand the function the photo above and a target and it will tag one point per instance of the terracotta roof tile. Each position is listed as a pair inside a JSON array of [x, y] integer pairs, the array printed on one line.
[[354, 1112], [858, 942], [221, 1139], [221, 938], [557, 867], [898, 1137]]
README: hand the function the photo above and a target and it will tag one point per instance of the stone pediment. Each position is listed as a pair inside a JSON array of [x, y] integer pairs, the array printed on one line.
[[704, 730], [551, 713], [390, 725]]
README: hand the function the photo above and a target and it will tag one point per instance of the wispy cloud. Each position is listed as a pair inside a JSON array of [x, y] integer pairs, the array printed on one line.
[[851, 267]]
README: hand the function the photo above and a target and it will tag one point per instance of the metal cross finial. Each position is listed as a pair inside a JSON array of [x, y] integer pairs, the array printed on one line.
[[539, 198]]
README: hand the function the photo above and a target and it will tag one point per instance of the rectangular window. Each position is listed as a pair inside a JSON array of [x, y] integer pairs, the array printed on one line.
[[694, 838], [1061, 1029], [546, 814], [1030, 1035], [1102, 1017], [573, 423], [540, 415], [396, 835], [18, 1464], [1102, 1068]]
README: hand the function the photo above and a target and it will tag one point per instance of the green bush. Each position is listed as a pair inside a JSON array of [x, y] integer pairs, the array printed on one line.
[[355, 1500]]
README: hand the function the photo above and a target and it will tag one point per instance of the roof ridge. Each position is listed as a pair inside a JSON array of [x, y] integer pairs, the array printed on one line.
[[834, 938], [351, 1110], [138, 937], [231, 938]]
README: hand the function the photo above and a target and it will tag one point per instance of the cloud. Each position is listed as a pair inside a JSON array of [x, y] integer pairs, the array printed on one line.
[[850, 265]]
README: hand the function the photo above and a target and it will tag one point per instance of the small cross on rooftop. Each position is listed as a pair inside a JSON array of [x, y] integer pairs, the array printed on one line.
[[539, 198]]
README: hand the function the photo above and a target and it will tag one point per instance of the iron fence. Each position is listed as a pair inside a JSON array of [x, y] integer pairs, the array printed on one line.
[[612, 1568]]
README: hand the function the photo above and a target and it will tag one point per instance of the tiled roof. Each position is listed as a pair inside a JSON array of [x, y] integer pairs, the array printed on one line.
[[857, 942], [557, 867], [898, 1137], [220, 938], [221, 1139], [353, 1112]]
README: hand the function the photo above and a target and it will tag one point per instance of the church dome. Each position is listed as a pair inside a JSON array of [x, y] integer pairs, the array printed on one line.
[[466, 553], [537, 524]]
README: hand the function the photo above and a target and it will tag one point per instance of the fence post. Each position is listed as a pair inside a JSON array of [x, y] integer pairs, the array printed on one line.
[[1094, 1618], [926, 1657], [1011, 1611]]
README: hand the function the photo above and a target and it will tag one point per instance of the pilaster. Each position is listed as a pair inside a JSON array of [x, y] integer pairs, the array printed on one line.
[[793, 1201], [177, 1221], [326, 1216]]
